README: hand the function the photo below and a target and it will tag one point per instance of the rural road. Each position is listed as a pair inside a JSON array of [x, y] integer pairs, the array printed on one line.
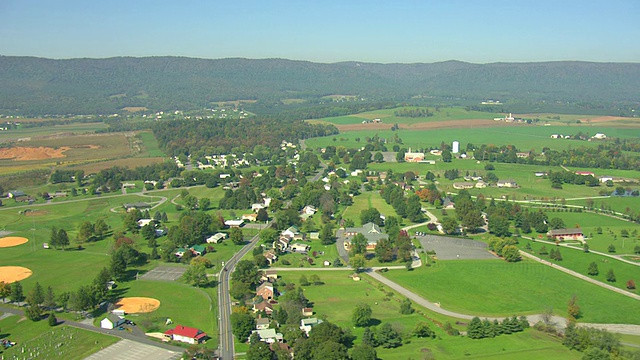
[[226, 344]]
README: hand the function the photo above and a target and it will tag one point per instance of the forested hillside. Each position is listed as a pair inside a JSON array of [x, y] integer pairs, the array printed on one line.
[[88, 86]]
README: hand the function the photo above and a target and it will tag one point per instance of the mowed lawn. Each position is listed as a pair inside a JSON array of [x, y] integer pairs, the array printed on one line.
[[367, 200], [337, 298], [578, 261], [39, 341], [498, 288]]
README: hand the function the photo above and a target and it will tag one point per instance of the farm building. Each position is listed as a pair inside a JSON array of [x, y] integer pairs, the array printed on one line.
[[566, 234], [216, 238], [185, 334]]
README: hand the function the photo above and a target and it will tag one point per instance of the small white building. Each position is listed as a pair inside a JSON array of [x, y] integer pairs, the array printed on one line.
[[216, 238], [111, 321]]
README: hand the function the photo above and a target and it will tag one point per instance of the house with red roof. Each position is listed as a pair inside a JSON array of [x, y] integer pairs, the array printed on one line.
[[185, 334]]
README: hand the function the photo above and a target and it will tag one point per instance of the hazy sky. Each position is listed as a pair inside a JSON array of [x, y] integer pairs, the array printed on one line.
[[326, 31]]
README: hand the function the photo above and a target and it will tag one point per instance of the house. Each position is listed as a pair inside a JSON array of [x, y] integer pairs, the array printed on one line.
[[257, 207], [269, 275], [413, 156], [566, 234], [145, 222], [585, 173], [185, 334], [463, 185], [263, 306], [269, 336], [282, 347], [111, 321], [599, 136], [370, 231], [314, 235], [326, 263], [291, 232], [262, 323], [309, 210], [282, 243], [198, 250], [250, 217], [481, 185], [307, 324], [307, 311], [234, 223], [270, 256], [300, 248], [265, 290], [216, 238], [136, 205], [509, 183], [447, 203], [540, 173], [15, 193]]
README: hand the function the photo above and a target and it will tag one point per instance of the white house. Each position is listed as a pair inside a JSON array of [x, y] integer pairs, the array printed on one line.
[[216, 238], [269, 336], [234, 223], [307, 324], [309, 210], [291, 232], [262, 323], [111, 321], [145, 222]]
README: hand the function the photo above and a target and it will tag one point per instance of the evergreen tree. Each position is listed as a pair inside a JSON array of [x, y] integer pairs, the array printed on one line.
[[611, 277], [474, 329], [593, 269], [17, 294]]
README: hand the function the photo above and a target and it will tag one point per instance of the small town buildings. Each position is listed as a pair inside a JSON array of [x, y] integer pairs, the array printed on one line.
[[481, 185], [111, 321], [509, 183], [299, 248], [370, 231], [269, 336], [15, 194], [307, 324], [145, 222], [271, 256], [599, 136], [185, 334], [262, 323], [257, 207], [269, 275], [413, 156], [463, 185], [250, 217], [216, 238], [196, 250], [291, 232], [234, 223], [136, 205], [566, 234], [265, 290], [307, 311], [282, 243], [263, 306], [309, 210]]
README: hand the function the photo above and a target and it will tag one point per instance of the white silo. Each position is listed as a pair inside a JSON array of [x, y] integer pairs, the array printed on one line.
[[455, 147]]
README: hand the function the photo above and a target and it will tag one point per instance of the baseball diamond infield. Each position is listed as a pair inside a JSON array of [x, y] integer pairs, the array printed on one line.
[[133, 305], [10, 274], [10, 241]]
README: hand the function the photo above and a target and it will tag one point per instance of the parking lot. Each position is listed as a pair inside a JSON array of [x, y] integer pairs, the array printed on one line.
[[131, 350], [164, 273], [450, 248]]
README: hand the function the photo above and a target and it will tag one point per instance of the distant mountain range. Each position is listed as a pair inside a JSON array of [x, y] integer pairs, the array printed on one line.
[[30, 85]]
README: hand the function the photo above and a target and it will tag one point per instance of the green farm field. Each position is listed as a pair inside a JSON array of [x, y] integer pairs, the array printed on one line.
[[616, 203], [366, 201], [498, 288], [524, 137], [340, 294]]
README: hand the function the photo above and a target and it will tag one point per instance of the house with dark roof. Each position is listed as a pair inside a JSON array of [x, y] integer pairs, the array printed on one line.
[[185, 334], [263, 306]]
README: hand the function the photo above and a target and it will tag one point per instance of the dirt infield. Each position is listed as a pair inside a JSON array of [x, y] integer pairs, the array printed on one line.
[[449, 124], [10, 274], [133, 305], [10, 241]]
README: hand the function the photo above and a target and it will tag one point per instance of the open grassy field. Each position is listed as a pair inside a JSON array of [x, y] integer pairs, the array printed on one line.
[[503, 289], [150, 146], [39, 341], [616, 203], [340, 294], [366, 201], [579, 261]]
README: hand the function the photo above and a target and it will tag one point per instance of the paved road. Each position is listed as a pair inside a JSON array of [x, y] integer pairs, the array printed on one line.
[[226, 347]]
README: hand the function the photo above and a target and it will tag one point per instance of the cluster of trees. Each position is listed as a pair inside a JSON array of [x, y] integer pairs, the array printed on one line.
[[407, 207], [414, 112], [88, 232], [59, 176], [388, 250], [480, 329], [244, 280], [594, 343], [567, 177], [192, 229], [187, 136], [505, 247]]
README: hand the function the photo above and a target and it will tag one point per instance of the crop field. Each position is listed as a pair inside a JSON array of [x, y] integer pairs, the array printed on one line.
[[76, 128], [39, 341], [502, 289], [346, 293]]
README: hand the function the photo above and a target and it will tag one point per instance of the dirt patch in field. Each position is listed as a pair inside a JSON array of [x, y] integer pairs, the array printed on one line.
[[134, 108], [38, 153], [10, 241], [10, 274], [449, 124], [134, 305]]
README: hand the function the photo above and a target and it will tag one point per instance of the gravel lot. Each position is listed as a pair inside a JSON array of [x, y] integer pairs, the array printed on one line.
[[449, 248]]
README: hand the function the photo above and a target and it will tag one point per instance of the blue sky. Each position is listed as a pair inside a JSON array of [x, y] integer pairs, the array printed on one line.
[[403, 31]]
